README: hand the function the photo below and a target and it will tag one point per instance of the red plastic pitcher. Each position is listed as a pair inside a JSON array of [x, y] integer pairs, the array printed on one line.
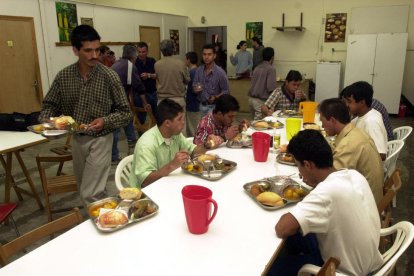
[[260, 144]]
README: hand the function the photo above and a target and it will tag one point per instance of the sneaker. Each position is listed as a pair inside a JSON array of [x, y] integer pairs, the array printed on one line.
[[116, 161]]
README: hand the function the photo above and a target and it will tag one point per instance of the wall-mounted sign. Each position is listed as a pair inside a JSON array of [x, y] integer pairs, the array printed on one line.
[[67, 19], [253, 29], [335, 27]]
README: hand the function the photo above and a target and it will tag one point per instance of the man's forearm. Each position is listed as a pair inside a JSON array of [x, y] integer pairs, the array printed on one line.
[[155, 175]]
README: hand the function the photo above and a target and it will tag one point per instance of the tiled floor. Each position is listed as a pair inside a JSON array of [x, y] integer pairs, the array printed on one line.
[[28, 216]]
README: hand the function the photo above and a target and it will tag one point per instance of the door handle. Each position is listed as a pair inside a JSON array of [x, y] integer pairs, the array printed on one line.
[[36, 87]]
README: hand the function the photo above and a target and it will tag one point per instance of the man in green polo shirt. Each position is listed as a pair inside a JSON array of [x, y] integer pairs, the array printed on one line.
[[163, 148]]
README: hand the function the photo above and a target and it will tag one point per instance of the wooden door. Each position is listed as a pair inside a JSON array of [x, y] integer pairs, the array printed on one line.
[[21, 89], [151, 35], [360, 58], [199, 40]]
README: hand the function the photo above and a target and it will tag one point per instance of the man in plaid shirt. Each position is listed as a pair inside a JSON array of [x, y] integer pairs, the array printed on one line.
[[92, 94], [286, 97]]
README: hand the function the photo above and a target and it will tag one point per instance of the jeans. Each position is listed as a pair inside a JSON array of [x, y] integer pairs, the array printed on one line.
[[205, 109], [131, 137], [299, 251]]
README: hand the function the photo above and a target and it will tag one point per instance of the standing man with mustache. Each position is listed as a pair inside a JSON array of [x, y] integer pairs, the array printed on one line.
[[92, 94]]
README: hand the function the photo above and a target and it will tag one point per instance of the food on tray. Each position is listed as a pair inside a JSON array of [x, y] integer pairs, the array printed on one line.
[[311, 126], [38, 128], [141, 209], [255, 190], [283, 148], [293, 193], [130, 193], [197, 168], [270, 198], [205, 157], [288, 158], [262, 124], [113, 218], [277, 124], [241, 138], [63, 122], [243, 126], [95, 209]]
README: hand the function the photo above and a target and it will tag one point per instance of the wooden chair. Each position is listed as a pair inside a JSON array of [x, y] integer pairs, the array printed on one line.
[[20, 243], [149, 121], [328, 269], [66, 149], [55, 184]]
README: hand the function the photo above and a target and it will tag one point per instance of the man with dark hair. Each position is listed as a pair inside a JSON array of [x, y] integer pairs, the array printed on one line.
[[358, 97], [338, 217], [172, 76], [219, 121], [257, 52], [163, 148], [146, 71], [104, 56], [92, 94], [192, 102], [263, 83], [134, 88], [213, 80], [286, 97], [353, 148]]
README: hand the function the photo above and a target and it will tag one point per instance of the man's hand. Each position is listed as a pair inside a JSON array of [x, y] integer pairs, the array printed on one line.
[[145, 76], [214, 141], [212, 99], [270, 112], [147, 107], [232, 132], [97, 125], [300, 95], [180, 158]]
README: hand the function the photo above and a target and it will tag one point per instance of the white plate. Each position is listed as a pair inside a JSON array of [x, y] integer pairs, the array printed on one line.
[[54, 132]]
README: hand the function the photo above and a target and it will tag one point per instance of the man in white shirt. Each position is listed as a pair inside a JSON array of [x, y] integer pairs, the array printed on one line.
[[358, 97], [340, 212]]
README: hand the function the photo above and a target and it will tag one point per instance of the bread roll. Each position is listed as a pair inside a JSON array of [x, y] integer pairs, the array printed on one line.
[[205, 157], [262, 124], [270, 198], [130, 193], [113, 219]]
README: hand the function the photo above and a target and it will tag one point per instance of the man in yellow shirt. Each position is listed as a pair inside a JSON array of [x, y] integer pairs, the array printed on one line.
[[353, 148]]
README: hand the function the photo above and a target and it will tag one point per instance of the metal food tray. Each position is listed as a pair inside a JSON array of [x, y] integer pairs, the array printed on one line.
[[279, 159], [290, 114], [277, 185], [238, 145], [280, 125], [214, 174], [125, 205]]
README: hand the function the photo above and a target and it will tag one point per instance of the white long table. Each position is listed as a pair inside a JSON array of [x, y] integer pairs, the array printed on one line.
[[240, 240]]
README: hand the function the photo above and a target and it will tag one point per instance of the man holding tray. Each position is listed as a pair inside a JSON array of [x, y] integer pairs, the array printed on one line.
[[338, 217], [163, 148], [92, 94]]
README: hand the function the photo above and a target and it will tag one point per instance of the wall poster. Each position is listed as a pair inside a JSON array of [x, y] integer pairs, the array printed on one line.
[[67, 19], [175, 36], [253, 29], [87, 21], [335, 27]]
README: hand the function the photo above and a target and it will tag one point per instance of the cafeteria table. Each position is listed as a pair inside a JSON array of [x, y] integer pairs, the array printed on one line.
[[16, 142], [240, 241]]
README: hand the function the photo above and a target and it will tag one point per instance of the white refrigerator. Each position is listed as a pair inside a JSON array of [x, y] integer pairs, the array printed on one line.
[[328, 78]]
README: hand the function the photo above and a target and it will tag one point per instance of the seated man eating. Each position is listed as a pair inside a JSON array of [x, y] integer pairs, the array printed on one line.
[[338, 217], [163, 148], [218, 123]]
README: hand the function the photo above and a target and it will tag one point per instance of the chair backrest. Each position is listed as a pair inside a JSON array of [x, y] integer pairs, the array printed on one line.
[[122, 172], [31, 237], [149, 121], [393, 151], [401, 133], [404, 236], [328, 269]]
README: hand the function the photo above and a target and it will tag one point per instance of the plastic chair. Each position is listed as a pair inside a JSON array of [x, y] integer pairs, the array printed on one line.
[[401, 133], [404, 231], [149, 121], [123, 171], [55, 184], [393, 151], [6, 210], [328, 269], [41, 232]]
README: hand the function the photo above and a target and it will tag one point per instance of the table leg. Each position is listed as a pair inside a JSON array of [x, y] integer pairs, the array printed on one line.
[[11, 180], [29, 180]]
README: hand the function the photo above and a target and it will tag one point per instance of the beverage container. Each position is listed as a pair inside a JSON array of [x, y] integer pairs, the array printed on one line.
[[197, 206], [260, 145], [276, 140], [292, 127], [308, 109]]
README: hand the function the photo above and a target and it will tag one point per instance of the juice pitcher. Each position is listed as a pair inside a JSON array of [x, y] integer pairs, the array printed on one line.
[[308, 110]]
